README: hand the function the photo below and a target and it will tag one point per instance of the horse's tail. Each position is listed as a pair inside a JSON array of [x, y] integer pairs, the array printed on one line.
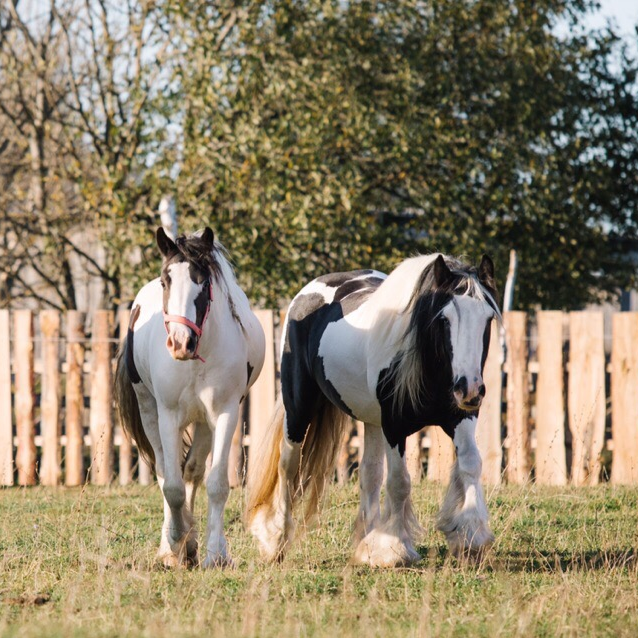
[[319, 452], [128, 409], [263, 460]]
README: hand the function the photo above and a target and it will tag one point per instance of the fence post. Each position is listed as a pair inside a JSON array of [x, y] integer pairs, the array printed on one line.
[[126, 447], [73, 467], [262, 394], [488, 429], [624, 407], [518, 453], [413, 448], [551, 461], [586, 394], [440, 455], [50, 400], [235, 455], [6, 421], [101, 421], [24, 397]]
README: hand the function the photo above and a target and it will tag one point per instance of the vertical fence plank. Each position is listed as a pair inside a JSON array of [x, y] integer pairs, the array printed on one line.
[[24, 397], [488, 430], [6, 421], [262, 394], [235, 455], [101, 422], [74, 398], [551, 462], [624, 407], [518, 452], [440, 455], [50, 470], [413, 459], [360, 429], [125, 457], [143, 472], [586, 395]]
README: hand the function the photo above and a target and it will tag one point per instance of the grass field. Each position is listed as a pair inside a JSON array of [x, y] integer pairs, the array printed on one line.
[[81, 563]]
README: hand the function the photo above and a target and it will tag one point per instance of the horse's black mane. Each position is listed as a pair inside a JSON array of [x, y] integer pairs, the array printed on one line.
[[195, 250]]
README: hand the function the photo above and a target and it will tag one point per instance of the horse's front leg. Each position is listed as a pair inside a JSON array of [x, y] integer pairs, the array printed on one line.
[[370, 480], [463, 516], [391, 543], [218, 488], [179, 539]]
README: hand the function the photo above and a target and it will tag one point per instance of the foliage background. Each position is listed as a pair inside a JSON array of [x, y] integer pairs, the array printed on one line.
[[316, 136]]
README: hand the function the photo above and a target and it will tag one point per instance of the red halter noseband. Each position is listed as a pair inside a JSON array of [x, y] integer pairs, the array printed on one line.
[[193, 326]]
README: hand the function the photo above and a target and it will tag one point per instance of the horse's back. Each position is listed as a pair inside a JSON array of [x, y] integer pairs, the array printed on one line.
[[322, 350]]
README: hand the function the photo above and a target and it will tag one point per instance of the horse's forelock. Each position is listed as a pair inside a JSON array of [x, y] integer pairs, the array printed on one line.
[[195, 250]]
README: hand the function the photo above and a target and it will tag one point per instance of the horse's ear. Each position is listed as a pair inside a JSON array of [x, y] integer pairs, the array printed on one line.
[[442, 273], [165, 243], [208, 237], [486, 272]]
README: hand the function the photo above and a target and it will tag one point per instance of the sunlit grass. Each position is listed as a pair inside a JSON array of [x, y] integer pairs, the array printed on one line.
[[81, 563]]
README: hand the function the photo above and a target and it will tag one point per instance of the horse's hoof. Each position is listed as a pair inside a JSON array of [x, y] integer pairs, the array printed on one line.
[[380, 549], [169, 561], [218, 562], [472, 545]]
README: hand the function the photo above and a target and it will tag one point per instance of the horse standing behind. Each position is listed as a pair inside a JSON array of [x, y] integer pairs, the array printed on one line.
[[398, 353], [192, 351]]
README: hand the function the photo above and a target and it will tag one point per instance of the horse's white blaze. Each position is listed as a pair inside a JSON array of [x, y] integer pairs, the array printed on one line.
[[181, 301], [183, 292], [468, 318]]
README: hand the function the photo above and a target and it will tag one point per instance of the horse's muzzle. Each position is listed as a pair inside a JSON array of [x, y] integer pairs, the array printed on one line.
[[182, 347], [468, 398]]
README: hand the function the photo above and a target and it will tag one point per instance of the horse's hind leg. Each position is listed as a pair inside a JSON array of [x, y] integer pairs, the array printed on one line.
[[463, 516], [390, 544], [194, 470], [195, 463], [218, 488]]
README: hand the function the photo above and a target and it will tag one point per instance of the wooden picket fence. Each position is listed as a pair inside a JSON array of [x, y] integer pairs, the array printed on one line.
[[558, 409]]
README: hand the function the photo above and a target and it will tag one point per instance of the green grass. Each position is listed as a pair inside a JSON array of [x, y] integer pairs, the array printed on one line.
[[564, 564]]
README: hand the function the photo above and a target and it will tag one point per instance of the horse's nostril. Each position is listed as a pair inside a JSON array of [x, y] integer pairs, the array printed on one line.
[[169, 342], [461, 386], [481, 390]]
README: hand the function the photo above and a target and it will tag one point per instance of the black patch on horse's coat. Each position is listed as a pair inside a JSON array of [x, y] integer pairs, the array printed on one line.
[[305, 305], [249, 372], [303, 377], [338, 279], [201, 303], [131, 368]]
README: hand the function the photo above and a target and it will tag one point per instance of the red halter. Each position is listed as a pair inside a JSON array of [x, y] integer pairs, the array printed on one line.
[[193, 326]]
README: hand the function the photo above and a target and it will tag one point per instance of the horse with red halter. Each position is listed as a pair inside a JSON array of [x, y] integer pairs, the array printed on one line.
[[192, 351], [397, 352]]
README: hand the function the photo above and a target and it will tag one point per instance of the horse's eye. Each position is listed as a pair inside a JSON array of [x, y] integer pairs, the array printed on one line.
[[162, 283]]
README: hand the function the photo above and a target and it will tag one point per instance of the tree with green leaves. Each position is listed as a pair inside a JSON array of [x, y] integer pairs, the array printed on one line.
[[329, 135]]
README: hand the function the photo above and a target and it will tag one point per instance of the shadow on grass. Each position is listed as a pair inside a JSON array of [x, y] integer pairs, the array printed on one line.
[[536, 561]]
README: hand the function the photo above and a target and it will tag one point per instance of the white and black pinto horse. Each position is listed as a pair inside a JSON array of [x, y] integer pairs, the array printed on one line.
[[193, 349], [398, 353]]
